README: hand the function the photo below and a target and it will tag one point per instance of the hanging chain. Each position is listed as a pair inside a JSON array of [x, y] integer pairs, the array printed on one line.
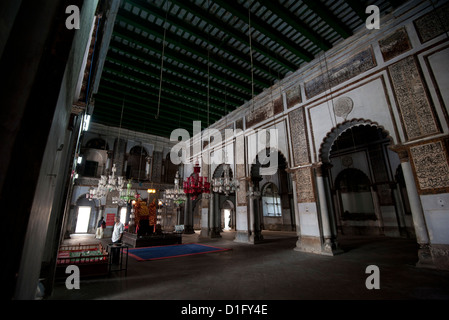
[[162, 65], [121, 118], [251, 56]]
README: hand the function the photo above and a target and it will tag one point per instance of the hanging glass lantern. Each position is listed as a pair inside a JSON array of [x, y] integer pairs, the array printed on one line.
[[176, 195], [195, 184], [225, 184]]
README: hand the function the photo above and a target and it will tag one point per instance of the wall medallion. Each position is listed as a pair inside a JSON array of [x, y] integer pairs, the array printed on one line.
[[343, 107], [347, 161]]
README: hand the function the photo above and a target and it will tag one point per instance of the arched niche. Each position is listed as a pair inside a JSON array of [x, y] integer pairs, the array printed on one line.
[[136, 168]]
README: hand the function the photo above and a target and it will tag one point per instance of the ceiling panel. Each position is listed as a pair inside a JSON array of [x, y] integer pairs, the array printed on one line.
[[174, 62]]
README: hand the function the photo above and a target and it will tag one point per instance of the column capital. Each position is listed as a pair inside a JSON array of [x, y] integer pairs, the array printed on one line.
[[319, 171], [321, 168], [253, 194], [402, 152]]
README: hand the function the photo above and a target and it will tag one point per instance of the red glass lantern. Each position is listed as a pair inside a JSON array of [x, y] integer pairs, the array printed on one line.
[[195, 184]]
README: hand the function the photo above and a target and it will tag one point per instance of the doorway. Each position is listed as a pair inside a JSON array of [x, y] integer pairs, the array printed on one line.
[[82, 223], [227, 219], [123, 215]]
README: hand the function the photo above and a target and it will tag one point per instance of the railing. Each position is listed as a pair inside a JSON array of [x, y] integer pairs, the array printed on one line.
[[64, 254]]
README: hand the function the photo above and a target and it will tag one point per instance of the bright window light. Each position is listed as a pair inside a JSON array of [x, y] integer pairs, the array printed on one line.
[[86, 123], [123, 212], [82, 223]]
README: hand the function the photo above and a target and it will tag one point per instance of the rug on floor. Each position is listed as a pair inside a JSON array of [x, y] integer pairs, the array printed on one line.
[[172, 251]]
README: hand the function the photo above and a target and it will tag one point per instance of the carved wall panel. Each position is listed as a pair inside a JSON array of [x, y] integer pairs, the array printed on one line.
[[278, 105], [241, 194], [294, 96], [298, 132], [414, 106], [259, 114], [357, 64], [432, 24], [264, 112], [239, 124], [395, 44], [240, 170], [431, 166], [304, 185]]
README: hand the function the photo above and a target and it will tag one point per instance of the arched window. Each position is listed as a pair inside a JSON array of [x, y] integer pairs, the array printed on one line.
[[136, 168], [271, 201], [95, 157], [97, 143]]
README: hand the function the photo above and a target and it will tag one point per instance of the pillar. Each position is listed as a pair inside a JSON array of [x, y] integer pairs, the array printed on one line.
[[419, 223], [242, 229], [215, 221], [205, 215], [329, 243], [377, 211], [253, 215], [188, 216], [295, 203]]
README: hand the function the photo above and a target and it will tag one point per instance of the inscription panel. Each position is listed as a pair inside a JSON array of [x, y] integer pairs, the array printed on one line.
[[299, 136], [260, 114], [416, 111], [357, 64], [432, 24], [278, 106], [395, 44], [294, 96], [431, 166], [304, 185], [241, 194]]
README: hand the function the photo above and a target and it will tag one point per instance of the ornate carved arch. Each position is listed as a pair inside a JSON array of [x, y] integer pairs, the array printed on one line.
[[332, 136]]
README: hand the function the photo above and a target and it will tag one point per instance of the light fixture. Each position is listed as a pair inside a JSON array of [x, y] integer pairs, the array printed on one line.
[[225, 184], [107, 184], [196, 185], [151, 191], [127, 195], [176, 194]]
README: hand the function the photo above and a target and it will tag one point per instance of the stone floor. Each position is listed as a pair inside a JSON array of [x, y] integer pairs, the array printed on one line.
[[271, 270]]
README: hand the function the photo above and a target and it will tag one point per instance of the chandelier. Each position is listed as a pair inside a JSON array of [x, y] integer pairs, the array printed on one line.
[[176, 194], [195, 184], [225, 184], [125, 196], [107, 184]]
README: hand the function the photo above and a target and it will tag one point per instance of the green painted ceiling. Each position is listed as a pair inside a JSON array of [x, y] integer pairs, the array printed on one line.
[[217, 54]]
